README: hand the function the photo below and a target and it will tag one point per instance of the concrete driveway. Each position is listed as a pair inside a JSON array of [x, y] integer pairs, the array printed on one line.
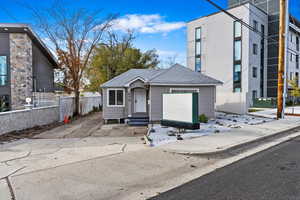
[[89, 168]]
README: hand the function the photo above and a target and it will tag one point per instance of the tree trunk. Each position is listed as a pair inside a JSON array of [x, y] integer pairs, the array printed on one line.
[[77, 96]]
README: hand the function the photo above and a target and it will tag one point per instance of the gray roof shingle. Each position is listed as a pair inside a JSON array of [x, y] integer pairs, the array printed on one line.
[[123, 79], [181, 75], [177, 74]]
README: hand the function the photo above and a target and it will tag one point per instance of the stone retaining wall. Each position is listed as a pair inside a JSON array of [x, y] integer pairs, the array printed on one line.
[[29, 118]]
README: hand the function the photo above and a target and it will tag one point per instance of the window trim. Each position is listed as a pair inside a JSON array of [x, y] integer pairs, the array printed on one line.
[[191, 89], [7, 71], [107, 97]]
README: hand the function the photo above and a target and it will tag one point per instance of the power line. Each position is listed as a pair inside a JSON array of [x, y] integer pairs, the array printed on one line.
[[241, 21]]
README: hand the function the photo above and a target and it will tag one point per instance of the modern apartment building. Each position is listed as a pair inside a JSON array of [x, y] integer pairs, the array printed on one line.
[[26, 66], [243, 59]]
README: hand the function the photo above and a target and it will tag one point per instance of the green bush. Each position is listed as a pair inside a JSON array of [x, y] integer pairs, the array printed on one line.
[[203, 118]]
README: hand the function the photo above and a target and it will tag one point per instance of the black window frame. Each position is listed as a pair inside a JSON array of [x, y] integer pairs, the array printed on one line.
[[297, 61], [262, 60], [297, 43], [237, 84], [255, 49], [7, 73], [254, 72], [255, 25], [254, 94], [198, 56], [4, 104]]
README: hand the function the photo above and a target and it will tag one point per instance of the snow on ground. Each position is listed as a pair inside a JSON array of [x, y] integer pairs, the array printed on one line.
[[222, 123]]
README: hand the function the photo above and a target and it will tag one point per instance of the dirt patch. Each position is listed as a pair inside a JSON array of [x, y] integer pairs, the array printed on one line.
[[79, 128], [120, 130], [82, 126], [27, 133]]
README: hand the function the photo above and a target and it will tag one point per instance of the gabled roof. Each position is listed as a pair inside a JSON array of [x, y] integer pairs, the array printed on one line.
[[176, 75], [123, 79], [180, 75], [25, 28]]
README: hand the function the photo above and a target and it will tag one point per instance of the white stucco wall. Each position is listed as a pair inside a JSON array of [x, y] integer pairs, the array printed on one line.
[[217, 54]]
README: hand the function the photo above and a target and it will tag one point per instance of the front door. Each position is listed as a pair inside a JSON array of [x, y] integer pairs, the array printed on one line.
[[140, 100]]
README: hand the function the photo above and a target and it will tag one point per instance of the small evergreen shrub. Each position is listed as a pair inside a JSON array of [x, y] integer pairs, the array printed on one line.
[[203, 118]]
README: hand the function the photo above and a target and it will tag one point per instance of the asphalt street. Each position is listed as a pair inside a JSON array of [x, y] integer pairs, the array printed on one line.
[[273, 174]]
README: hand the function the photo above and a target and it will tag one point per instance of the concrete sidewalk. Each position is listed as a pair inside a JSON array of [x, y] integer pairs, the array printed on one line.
[[222, 142]]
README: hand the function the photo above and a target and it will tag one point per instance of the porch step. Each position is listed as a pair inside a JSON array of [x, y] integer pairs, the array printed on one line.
[[138, 121], [130, 123]]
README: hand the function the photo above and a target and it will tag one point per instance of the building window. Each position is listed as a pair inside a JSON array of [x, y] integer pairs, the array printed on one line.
[[237, 74], [198, 49], [297, 43], [254, 72], [237, 50], [297, 78], [297, 61], [255, 25], [116, 97], [237, 29], [291, 75], [237, 57], [198, 64], [255, 47], [4, 103], [254, 94], [291, 58], [262, 61], [291, 35], [3, 71]]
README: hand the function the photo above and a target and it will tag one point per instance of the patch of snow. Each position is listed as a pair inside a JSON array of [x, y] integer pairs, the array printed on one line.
[[222, 123]]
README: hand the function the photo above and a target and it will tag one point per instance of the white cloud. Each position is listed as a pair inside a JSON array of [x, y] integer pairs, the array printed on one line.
[[146, 24]]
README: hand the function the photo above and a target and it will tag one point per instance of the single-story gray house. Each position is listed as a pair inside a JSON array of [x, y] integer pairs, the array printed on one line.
[[136, 95]]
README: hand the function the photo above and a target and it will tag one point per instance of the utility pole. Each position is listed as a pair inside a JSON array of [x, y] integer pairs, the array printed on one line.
[[281, 59], [286, 59]]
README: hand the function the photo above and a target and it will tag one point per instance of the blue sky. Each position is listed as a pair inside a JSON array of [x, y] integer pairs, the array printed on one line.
[[159, 23]]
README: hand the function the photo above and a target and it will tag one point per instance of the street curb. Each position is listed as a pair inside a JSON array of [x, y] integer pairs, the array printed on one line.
[[243, 146]]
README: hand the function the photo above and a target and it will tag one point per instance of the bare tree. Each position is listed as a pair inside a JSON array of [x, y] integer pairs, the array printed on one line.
[[74, 36]]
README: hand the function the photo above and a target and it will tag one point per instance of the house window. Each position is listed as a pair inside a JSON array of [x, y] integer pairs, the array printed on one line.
[[255, 25], [116, 97], [3, 71], [255, 47], [291, 35], [254, 72], [297, 61], [237, 57], [198, 49], [4, 103], [291, 58], [297, 78]]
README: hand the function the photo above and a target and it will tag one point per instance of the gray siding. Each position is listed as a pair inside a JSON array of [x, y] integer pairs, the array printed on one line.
[[206, 100], [114, 112], [4, 51], [43, 71]]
